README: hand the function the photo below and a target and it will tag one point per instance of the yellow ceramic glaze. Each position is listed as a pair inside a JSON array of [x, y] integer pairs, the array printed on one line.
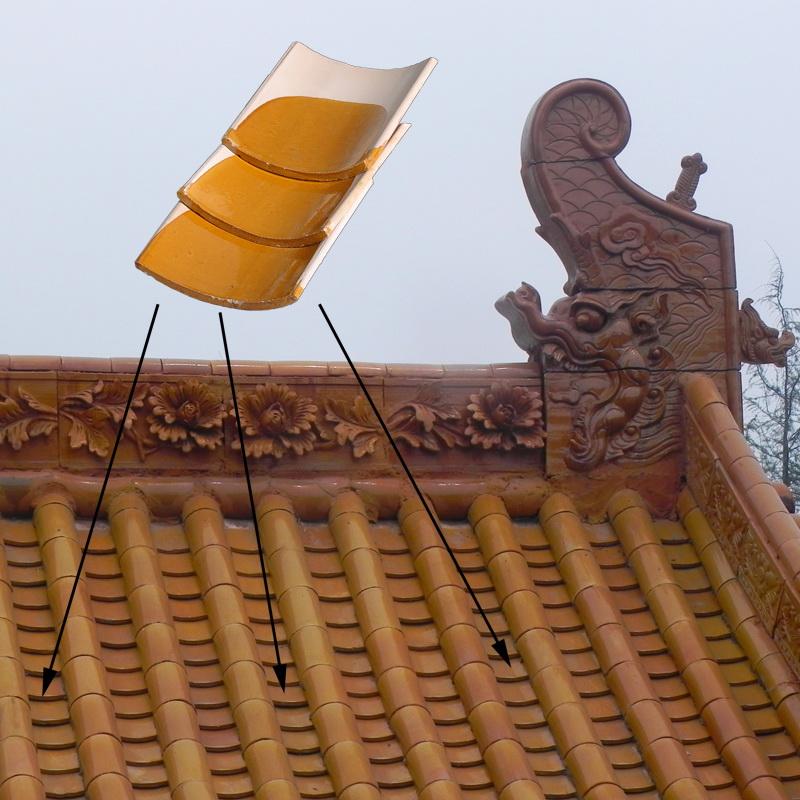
[[308, 136], [262, 206], [190, 254]]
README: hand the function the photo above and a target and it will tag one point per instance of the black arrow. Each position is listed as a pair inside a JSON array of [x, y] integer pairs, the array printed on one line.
[[48, 673], [499, 645], [280, 669]]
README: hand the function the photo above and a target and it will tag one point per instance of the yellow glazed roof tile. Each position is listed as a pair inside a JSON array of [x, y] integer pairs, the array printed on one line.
[[640, 664], [262, 206], [192, 707], [308, 136], [208, 262], [256, 220]]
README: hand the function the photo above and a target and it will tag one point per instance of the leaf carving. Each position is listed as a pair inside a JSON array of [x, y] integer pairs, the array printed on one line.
[[428, 422], [95, 413], [353, 424], [23, 418]]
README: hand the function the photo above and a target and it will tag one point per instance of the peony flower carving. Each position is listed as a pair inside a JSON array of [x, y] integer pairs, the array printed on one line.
[[504, 417], [186, 415], [275, 421]]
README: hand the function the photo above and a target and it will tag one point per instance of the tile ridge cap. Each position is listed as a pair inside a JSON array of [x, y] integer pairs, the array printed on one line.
[[257, 367]]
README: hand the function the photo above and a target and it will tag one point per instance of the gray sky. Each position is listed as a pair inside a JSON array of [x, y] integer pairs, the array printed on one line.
[[109, 107]]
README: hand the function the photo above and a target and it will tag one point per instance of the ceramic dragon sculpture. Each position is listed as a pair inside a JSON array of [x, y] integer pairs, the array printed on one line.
[[615, 342], [760, 343], [650, 289]]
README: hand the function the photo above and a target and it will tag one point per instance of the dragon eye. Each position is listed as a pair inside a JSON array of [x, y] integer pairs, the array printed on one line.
[[643, 323], [589, 319]]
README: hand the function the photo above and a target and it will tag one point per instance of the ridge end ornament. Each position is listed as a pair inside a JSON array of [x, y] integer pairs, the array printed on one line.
[[761, 343], [649, 291]]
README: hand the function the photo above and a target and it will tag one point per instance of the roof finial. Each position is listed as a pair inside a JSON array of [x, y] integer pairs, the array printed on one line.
[[692, 167]]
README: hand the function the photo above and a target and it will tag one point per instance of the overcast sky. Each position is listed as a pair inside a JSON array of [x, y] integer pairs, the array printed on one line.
[[109, 107]]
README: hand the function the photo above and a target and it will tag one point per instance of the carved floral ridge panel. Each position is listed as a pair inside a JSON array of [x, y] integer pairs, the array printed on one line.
[[773, 598], [190, 423], [24, 417], [29, 419], [787, 630]]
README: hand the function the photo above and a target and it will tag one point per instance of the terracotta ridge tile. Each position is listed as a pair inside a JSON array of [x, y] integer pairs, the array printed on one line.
[[466, 657], [619, 660], [20, 775], [710, 691], [235, 643], [24, 363], [82, 671], [342, 749], [257, 368], [164, 672], [760, 501], [185, 366], [762, 652], [310, 493], [406, 710], [576, 737]]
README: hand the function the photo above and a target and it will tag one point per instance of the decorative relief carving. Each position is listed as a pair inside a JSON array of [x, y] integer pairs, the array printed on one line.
[[759, 343], [24, 417], [569, 143], [759, 577], [275, 421], [505, 417], [653, 255], [787, 631], [581, 119], [428, 421], [700, 463], [94, 415], [726, 518], [353, 424], [185, 415], [742, 546], [188, 417], [613, 344], [692, 167], [501, 417], [647, 290]]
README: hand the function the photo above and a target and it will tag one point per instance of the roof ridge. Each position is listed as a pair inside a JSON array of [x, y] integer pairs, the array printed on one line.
[[259, 368]]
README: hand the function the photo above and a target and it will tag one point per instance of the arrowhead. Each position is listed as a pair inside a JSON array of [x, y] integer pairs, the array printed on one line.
[[500, 648], [48, 673], [280, 674]]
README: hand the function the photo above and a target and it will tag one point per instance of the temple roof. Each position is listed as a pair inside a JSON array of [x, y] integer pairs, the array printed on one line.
[[645, 657], [601, 514]]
